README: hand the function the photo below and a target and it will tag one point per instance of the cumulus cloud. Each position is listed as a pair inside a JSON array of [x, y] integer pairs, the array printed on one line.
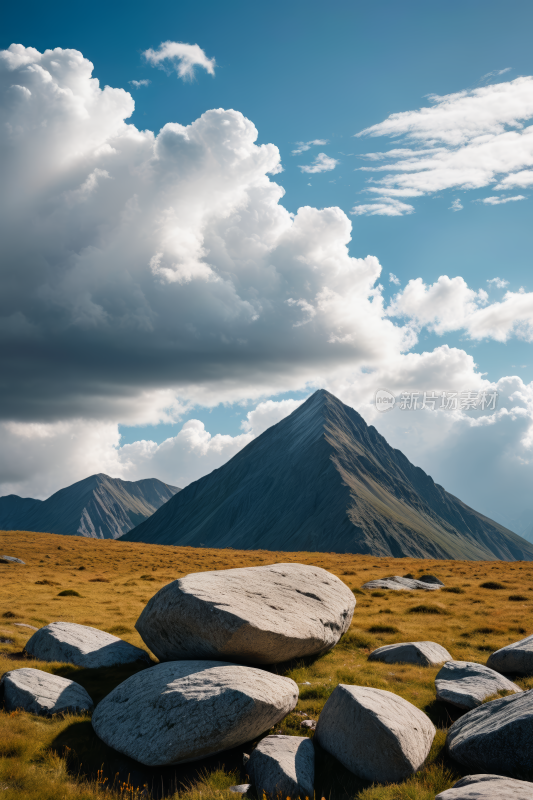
[[138, 84], [394, 279], [456, 205], [385, 207], [303, 146], [182, 57], [322, 163], [465, 140], [499, 283], [496, 200]]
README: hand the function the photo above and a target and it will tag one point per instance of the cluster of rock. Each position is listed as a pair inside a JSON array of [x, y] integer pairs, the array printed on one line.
[[427, 583]]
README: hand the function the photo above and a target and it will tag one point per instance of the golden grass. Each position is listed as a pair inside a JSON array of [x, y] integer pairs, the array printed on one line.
[[106, 584]]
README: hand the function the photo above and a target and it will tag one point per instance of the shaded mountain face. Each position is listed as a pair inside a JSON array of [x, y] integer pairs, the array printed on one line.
[[99, 506], [323, 480]]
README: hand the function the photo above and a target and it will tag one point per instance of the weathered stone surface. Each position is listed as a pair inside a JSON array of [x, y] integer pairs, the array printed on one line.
[[259, 615], [13, 559], [466, 684], [185, 710], [516, 657], [240, 788], [284, 766], [397, 583], [497, 735], [375, 734], [488, 787], [88, 647], [41, 693], [431, 579], [25, 625], [424, 653]]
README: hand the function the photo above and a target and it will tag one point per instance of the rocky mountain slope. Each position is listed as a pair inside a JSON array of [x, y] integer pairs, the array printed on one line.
[[99, 506], [323, 480]]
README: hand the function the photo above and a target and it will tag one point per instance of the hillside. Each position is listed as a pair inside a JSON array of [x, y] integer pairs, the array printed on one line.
[[323, 480], [99, 507]]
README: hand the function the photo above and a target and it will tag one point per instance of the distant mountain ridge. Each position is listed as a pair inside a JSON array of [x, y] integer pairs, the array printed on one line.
[[99, 507], [323, 480]]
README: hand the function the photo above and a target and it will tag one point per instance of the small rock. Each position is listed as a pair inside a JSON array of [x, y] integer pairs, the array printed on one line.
[[516, 657], [241, 788], [23, 625], [308, 723], [13, 559], [71, 643], [466, 684], [375, 734], [423, 653], [488, 787], [431, 579], [397, 583], [183, 711], [497, 735], [41, 693], [283, 766], [5, 640], [256, 615]]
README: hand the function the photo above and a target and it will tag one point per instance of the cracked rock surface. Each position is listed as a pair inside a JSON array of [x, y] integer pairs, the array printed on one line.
[[488, 787], [283, 766], [423, 653], [516, 657], [41, 693], [182, 711], [375, 734], [497, 735], [397, 583], [258, 615], [71, 643], [466, 684]]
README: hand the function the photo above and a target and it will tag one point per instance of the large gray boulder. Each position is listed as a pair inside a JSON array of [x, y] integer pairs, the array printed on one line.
[[488, 787], [398, 584], [466, 684], [283, 766], [423, 653], [185, 710], [497, 735], [41, 693], [516, 657], [375, 734], [71, 643], [258, 615]]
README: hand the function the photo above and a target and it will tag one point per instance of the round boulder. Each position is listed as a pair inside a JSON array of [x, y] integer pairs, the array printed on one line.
[[466, 684], [488, 787], [425, 654], [258, 615], [41, 693], [516, 657], [71, 643], [497, 735], [283, 766], [182, 711], [376, 734]]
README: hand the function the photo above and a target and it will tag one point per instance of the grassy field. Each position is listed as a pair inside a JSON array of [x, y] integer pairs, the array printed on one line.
[[484, 606]]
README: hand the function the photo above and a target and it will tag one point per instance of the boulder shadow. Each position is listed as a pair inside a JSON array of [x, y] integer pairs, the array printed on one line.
[[443, 714], [100, 682]]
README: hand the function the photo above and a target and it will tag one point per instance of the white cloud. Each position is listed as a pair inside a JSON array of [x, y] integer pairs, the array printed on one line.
[[456, 205], [386, 207], [303, 146], [499, 283], [138, 84], [496, 73], [393, 279], [496, 200], [322, 163], [183, 58], [521, 179]]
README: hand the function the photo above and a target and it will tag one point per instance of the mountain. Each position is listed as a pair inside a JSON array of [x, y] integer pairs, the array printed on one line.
[[99, 506], [323, 480]]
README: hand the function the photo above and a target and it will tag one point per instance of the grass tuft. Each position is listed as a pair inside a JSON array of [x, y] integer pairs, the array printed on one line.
[[492, 585], [453, 590], [427, 608], [383, 629], [69, 593], [517, 598]]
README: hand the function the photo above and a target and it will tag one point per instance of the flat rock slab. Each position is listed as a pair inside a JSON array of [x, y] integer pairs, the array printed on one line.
[[466, 684], [257, 615], [488, 787], [41, 693], [516, 657], [182, 711], [283, 766], [398, 584], [71, 643], [497, 735], [375, 734], [13, 559], [423, 653]]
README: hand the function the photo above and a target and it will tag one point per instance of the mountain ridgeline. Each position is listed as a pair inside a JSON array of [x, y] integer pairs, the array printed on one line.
[[99, 506], [323, 480]]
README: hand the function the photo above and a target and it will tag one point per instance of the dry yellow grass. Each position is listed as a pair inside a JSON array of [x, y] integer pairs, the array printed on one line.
[[60, 759]]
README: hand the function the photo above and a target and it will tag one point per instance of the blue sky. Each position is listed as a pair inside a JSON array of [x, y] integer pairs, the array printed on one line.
[[300, 72]]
